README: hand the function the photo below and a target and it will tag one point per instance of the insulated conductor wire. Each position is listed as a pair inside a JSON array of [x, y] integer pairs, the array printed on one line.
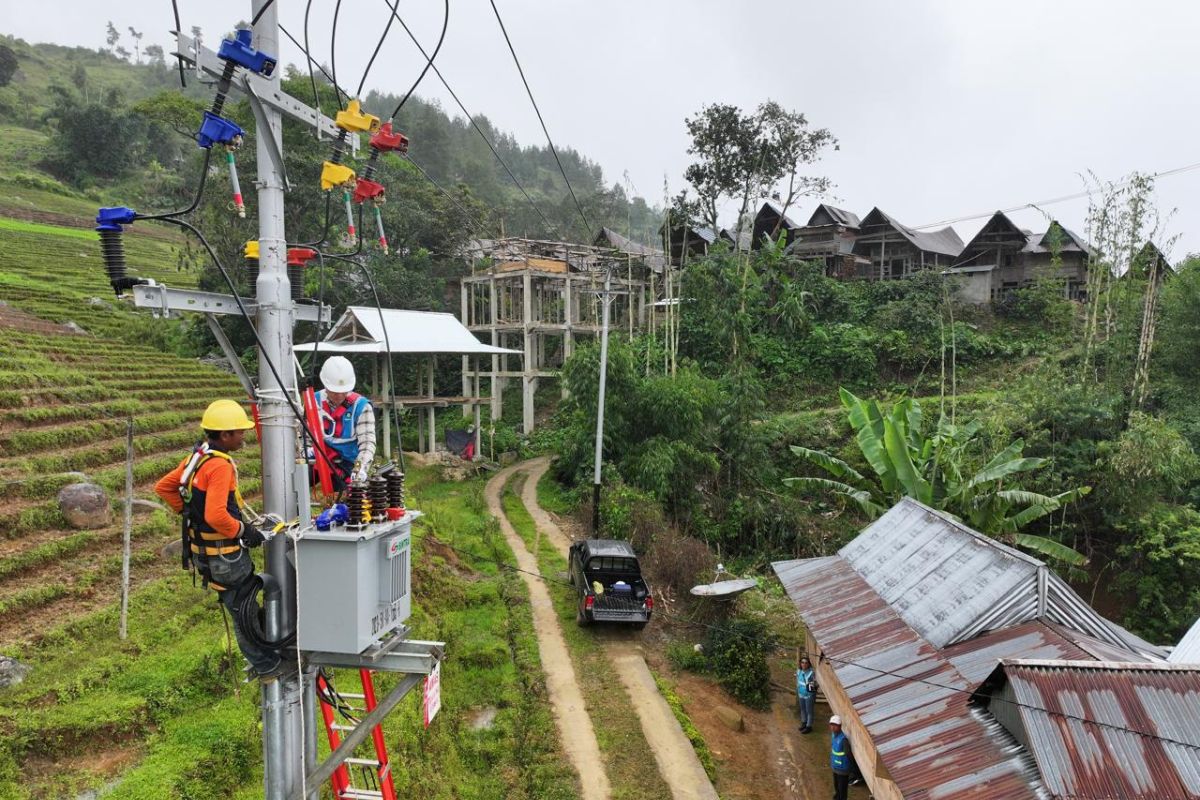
[[549, 225], [587, 226], [261, 11], [178, 29], [378, 46], [337, 9], [429, 62]]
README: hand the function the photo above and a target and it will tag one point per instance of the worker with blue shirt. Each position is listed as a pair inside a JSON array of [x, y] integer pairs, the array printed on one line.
[[348, 423], [806, 693], [839, 758]]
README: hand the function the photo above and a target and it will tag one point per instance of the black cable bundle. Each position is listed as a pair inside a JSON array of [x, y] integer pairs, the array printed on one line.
[[249, 621]]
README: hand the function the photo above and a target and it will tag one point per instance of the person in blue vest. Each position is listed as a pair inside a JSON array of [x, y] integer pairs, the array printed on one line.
[[839, 758], [806, 693], [348, 422]]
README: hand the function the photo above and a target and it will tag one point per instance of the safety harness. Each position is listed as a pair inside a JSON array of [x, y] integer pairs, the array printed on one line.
[[197, 537]]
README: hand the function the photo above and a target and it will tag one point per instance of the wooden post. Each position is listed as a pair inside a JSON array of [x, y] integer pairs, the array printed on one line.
[[432, 410], [128, 534], [466, 361]]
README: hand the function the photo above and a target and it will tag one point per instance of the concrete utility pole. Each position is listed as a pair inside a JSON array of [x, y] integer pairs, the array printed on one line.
[[283, 748], [606, 298]]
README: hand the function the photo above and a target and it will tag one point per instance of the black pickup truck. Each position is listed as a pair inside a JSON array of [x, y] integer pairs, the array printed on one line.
[[608, 580]]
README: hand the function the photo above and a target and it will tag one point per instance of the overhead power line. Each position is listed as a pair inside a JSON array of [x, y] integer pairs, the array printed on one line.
[[549, 225], [587, 226], [1061, 199], [428, 62], [375, 54]]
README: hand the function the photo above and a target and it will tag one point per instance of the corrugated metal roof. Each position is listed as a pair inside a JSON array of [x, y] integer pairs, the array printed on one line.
[[950, 583], [913, 702], [1129, 731], [1188, 649], [838, 215], [359, 330], [653, 257], [945, 241]]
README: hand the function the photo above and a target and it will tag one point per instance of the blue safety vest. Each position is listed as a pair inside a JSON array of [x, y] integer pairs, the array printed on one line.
[[803, 677], [839, 753], [337, 424]]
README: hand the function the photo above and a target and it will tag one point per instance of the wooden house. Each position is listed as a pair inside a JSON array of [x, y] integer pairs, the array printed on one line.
[[690, 241], [829, 237], [771, 223], [892, 250], [1003, 257]]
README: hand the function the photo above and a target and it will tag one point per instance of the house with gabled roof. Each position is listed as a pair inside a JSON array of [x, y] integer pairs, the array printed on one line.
[[771, 222], [906, 622], [687, 242], [829, 237], [893, 250], [1003, 257]]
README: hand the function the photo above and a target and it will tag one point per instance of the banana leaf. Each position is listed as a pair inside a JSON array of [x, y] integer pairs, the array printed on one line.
[[1056, 551], [834, 466]]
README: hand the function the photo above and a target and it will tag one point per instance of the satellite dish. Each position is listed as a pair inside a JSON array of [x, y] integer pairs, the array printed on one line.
[[724, 590]]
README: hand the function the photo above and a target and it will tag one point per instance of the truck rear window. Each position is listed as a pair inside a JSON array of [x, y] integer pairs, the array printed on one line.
[[612, 564]]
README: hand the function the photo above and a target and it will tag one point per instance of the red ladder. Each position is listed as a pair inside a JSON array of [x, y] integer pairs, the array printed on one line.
[[343, 789]]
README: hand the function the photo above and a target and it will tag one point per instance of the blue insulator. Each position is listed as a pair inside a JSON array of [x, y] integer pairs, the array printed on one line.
[[239, 51], [218, 130]]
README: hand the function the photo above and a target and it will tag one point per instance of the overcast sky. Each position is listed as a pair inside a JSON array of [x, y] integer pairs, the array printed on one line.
[[944, 108]]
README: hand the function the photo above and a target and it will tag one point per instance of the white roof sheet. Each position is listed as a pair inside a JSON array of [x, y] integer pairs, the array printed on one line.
[[359, 330], [1188, 649]]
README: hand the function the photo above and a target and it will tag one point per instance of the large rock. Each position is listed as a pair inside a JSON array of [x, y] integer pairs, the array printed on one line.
[[142, 507], [85, 505], [730, 718], [12, 671], [172, 550]]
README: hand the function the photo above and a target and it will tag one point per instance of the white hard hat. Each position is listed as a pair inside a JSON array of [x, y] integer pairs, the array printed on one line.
[[835, 720], [337, 374]]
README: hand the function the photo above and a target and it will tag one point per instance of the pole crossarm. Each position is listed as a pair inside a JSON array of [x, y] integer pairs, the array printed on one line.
[[409, 656], [162, 301], [356, 737], [266, 90]]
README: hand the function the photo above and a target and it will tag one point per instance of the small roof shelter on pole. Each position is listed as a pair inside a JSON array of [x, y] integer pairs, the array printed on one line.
[[366, 331]]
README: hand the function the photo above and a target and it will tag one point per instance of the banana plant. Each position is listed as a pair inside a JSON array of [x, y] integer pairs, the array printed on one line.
[[929, 467]]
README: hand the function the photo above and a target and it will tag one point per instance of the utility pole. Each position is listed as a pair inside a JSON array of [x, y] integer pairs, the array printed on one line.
[[283, 748], [606, 297]]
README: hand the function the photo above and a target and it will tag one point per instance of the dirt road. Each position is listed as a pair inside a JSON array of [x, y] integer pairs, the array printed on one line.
[[677, 762], [566, 699]]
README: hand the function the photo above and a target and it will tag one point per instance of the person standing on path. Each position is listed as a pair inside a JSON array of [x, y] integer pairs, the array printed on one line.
[[839, 758], [806, 693]]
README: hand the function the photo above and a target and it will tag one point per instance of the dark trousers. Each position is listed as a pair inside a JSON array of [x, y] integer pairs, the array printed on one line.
[[234, 574], [841, 785]]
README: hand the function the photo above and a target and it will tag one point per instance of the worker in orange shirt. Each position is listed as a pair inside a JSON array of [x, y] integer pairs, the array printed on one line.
[[204, 489]]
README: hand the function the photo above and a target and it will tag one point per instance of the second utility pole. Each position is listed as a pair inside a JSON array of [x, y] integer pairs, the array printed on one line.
[[606, 299]]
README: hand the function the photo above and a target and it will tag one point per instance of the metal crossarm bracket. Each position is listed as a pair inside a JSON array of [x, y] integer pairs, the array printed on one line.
[[163, 301], [267, 90], [409, 655], [260, 118], [235, 363]]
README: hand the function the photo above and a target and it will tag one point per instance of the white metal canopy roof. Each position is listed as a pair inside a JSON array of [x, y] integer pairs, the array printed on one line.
[[359, 330]]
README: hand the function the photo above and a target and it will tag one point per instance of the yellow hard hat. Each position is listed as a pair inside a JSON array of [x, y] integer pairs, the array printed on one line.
[[225, 415]]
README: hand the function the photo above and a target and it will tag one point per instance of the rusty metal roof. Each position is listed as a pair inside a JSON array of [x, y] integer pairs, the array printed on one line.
[[950, 583], [913, 615], [1110, 730], [912, 701]]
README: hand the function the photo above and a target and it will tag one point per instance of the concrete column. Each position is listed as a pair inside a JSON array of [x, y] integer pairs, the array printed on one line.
[[528, 381], [466, 361], [432, 410], [497, 383]]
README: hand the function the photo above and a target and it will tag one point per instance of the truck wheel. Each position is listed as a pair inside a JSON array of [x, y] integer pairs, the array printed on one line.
[[581, 619]]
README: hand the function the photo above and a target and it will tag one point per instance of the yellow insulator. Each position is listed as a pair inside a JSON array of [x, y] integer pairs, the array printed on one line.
[[335, 175], [354, 120]]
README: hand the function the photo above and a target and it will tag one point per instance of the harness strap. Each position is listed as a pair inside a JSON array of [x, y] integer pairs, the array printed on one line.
[[216, 551]]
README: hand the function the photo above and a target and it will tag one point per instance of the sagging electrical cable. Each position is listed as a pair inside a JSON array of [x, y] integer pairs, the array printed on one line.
[[337, 9], [195, 200], [179, 29], [587, 226], [375, 54], [549, 225], [430, 59], [249, 322]]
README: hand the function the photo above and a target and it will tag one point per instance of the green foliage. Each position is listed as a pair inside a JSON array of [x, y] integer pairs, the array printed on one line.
[[1159, 558], [737, 653], [1149, 461], [689, 729], [8, 64], [940, 469]]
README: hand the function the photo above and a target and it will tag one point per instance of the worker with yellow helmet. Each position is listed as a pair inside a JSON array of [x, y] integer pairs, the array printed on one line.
[[204, 490]]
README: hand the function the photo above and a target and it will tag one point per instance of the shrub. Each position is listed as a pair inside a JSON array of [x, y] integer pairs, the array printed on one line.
[[678, 562], [737, 653]]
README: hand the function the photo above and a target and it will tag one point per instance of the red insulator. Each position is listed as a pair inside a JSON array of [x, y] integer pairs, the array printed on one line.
[[367, 190]]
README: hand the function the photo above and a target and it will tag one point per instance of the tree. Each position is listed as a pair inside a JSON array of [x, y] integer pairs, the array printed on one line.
[[112, 36], [8, 64], [156, 56], [936, 470], [744, 156], [137, 44]]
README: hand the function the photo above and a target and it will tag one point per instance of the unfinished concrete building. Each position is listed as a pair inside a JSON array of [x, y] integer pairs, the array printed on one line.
[[539, 298]]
